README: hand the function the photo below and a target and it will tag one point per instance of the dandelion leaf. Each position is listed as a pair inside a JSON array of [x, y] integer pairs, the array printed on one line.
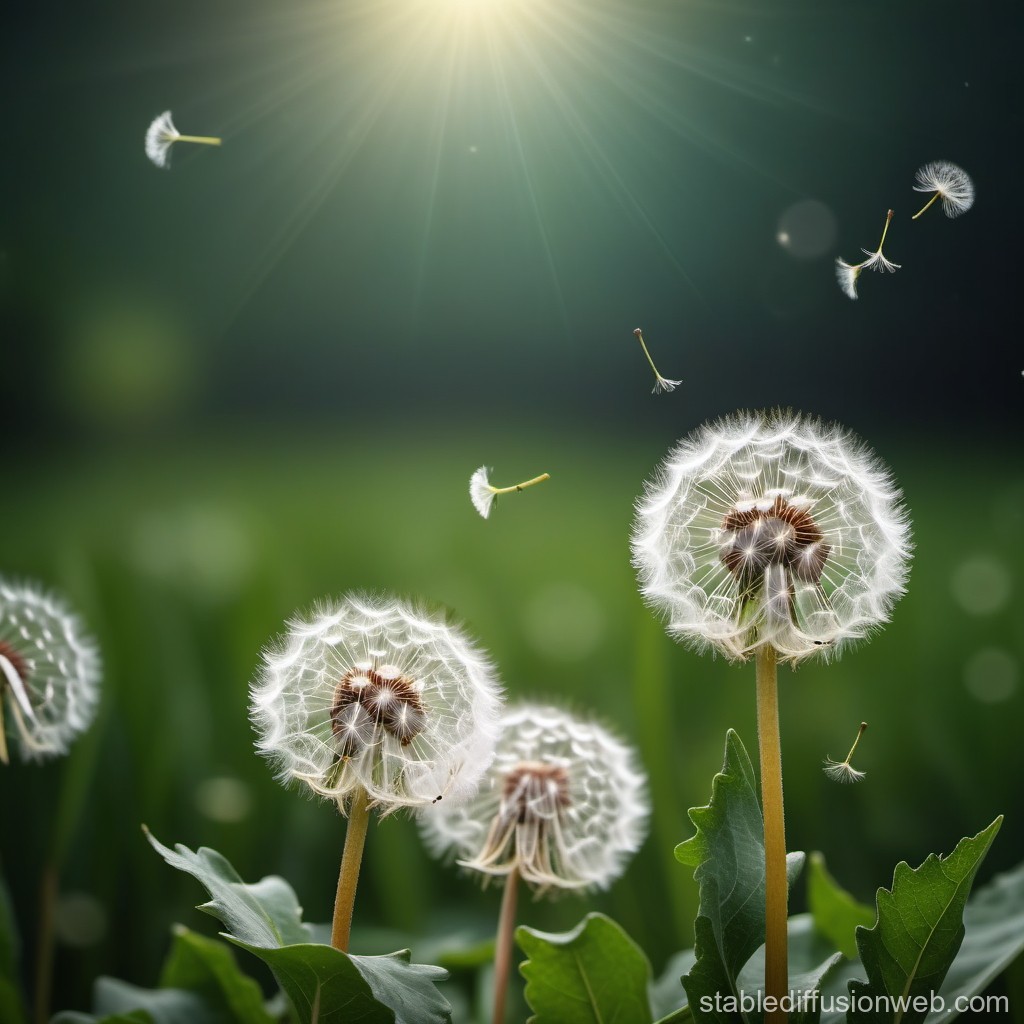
[[324, 985], [593, 973], [727, 854], [118, 1002], [918, 933], [668, 997], [837, 915]]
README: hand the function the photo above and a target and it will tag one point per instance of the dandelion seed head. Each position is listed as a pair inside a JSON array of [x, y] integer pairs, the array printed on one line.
[[841, 771], [480, 492], [160, 136], [563, 804], [846, 275], [664, 385], [374, 693], [876, 261], [771, 528], [953, 184], [49, 672]]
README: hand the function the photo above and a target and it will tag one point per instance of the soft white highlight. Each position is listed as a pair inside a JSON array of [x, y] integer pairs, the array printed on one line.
[[160, 136], [952, 183], [841, 771], [563, 804], [846, 275], [771, 528], [480, 491], [49, 672], [377, 694]]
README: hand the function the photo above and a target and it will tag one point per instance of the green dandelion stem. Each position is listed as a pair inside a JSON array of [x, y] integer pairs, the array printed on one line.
[[926, 205], [860, 732], [776, 968], [503, 947], [348, 876], [203, 140], [520, 487]]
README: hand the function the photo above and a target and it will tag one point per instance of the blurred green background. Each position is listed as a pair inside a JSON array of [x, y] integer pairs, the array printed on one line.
[[266, 375]]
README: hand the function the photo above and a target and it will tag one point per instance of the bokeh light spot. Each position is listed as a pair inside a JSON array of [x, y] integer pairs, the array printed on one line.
[[981, 585], [79, 920], [224, 799], [991, 675], [807, 229]]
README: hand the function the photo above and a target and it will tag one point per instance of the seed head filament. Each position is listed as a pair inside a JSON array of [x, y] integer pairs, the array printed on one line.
[[526, 832]]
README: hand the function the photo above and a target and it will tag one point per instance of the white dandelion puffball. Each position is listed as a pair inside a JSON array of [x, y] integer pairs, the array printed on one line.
[[480, 492], [49, 672], [771, 528], [563, 804], [952, 183], [160, 136], [372, 693]]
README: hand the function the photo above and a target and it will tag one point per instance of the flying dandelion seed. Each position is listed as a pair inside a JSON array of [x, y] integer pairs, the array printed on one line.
[[846, 275], [661, 384], [162, 134], [875, 260], [843, 771], [950, 183], [483, 494]]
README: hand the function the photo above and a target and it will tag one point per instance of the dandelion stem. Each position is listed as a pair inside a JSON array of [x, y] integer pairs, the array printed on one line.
[[643, 345], [885, 230], [503, 948], [203, 140], [776, 968], [348, 876], [926, 205], [860, 732], [44, 942], [520, 487]]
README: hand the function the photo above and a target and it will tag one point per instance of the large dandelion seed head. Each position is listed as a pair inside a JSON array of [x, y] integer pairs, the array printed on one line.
[[49, 672], [953, 184], [771, 529], [376, 694], [160, 136], [480, 491], [563, 804]]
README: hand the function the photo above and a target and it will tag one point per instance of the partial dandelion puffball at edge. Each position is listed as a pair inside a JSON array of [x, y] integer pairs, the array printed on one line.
[[950, 183], [377, 694], [49, 673], [563, 804], [771, 529]]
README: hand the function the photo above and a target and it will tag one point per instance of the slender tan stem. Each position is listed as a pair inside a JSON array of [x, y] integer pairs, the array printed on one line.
[[503, 947], [776, 968], [885, 230], [860, 732], [203, 140], [348, 876], [643, 345], [520, 487], [44, 944], [926, 205]]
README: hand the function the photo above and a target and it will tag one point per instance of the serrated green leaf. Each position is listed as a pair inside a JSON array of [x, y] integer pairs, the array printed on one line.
[[918, 933], [208, 968], [728, 855], [595, 973], [837, 915], [266, 913], [811, 959], [323, 983]]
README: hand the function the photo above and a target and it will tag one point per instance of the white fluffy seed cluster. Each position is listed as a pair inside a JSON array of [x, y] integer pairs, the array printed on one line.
[[951, 182], [49, 672], [160, 136], [480, 491], [377, 694], [771, 528], [563, 804]]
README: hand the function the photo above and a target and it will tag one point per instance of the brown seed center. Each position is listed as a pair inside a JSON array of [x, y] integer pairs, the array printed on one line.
[[535, 789], [783, 534], [369, 699], [18, 663]]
